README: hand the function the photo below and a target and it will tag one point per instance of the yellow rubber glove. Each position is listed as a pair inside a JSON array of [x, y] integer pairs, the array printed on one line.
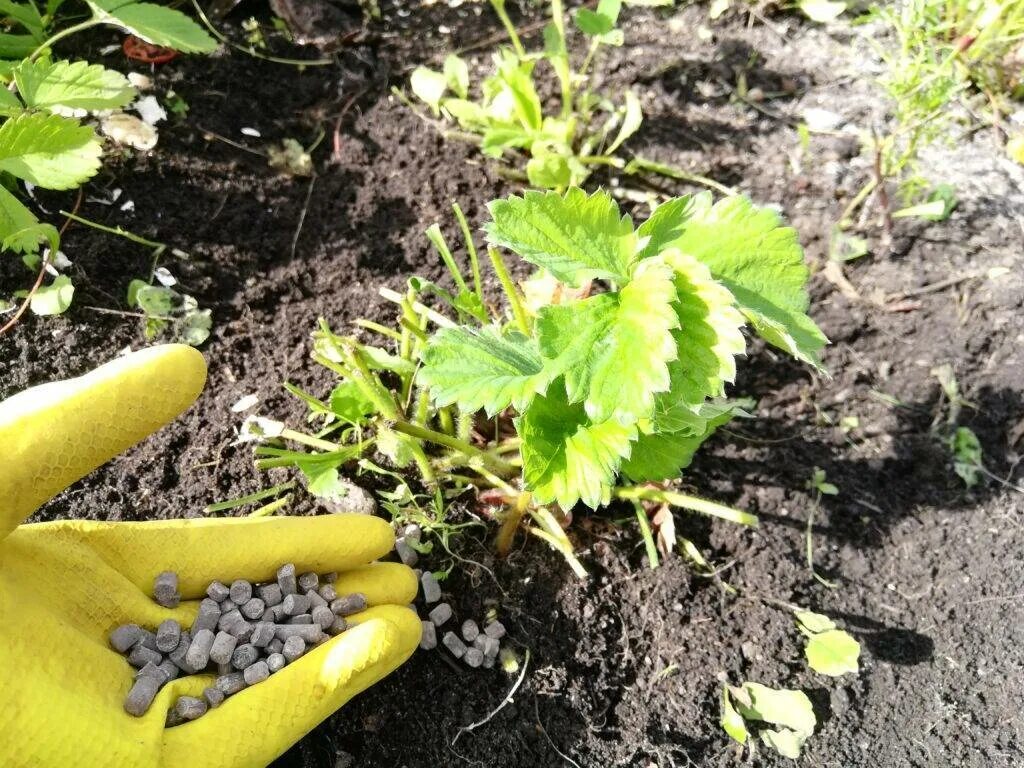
[[65, 585]]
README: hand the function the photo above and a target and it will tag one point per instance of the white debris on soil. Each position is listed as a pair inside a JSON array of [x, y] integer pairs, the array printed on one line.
[[149, 110], [245, 403], [129, 131]]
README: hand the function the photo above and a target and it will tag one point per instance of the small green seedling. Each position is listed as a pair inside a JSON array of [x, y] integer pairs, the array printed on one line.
[[752, 705], [829, 650], [818, 483], [821, 487], [506, 115], [966, 450]]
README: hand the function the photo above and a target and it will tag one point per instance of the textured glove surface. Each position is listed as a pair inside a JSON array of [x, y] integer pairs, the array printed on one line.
[[65, 585]]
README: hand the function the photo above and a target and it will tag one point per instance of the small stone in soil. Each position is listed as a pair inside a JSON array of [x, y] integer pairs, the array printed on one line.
[[454, 644], [428, 639], [470, 631], [440, 614], [474, 657], [165, 589], [431, 589]]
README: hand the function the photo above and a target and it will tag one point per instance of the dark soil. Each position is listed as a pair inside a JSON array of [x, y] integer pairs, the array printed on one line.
[[624, 667]]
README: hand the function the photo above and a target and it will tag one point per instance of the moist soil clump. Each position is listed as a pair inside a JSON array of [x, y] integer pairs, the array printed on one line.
[[624, 667]]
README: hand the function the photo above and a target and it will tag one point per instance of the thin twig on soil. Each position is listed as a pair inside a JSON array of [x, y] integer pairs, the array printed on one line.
[[536, 712], [504, 703], [302, 216], [231, 143]]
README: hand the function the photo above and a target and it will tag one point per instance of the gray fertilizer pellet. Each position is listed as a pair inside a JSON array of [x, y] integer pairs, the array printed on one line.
[[270, 594], [495, 629], [328, 593], [440, 614], [323, 616], [241, 591], [147, 639], [225, 669], [189, 707], [474, 657], [349, 604], [244, 656], [172, 719], [141, 696], [198, 655], [310, 633], [315, 601], [229, 620], [412, 533], [223, 646], [169, 669], [256, 673], [230, 683], [308, 581], [406, 553], [491, 647], [454, 644], [152, 670], [488, 661], [428, 639], [227, 606], [431, 589], [180, 654], [338, 626], [124, 637], [286, 579], [217, 591], [274, 613], [262, 634], [275, 645], [208, 616], [470, 631], [293, 648], [167, 635], [165, 589], [214, 696], [253, 608], [329, 578], [276, 662], [305, 618], [295, 604], [141, 656]]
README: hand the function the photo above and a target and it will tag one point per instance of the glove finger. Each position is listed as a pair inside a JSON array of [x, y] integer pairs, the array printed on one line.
[[202, 550], [260, 723], [52, 435]]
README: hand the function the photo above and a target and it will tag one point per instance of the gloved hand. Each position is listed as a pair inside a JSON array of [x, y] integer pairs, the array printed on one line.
[[65, 585]]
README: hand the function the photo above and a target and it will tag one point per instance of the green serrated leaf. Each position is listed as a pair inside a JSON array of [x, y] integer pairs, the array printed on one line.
[[614, 349], [832, 652], [50, 151], [53, 299], [566, 458], [574, 236], [10, 105], [482, 369], [155, 24], [761, 263], [26, 14], [665, 225], [709, 336], [348, 403], [77, 85], [18, 46], [15, 218], [662, 455]]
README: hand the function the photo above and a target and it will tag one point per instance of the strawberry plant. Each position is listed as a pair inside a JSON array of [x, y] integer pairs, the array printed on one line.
[[604, 391], [508, 118], [40, 144]]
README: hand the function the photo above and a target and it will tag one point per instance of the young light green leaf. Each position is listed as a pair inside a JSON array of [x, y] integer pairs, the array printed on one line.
[[76, 85], [155, 24], [25, 14], [195, 326], [10, 105], [662, 455], [967, 455], [787, 708], [348, 403], [593, 23], [576, 237], [482, 369], [456, 74], [566, 458], [53, 299], [501, 136], [468, 114], [787, 743], [709, 336], [731, 721], [832, 652], [614, 349], [632, 117], [548, 171], [811, 623], [517, 78], [429, 86], [665, 225], [50, 151], [16, 218], [156, 300], [761, 263]]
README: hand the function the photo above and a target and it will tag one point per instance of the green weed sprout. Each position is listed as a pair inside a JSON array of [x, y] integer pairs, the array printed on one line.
[[589, 396]]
